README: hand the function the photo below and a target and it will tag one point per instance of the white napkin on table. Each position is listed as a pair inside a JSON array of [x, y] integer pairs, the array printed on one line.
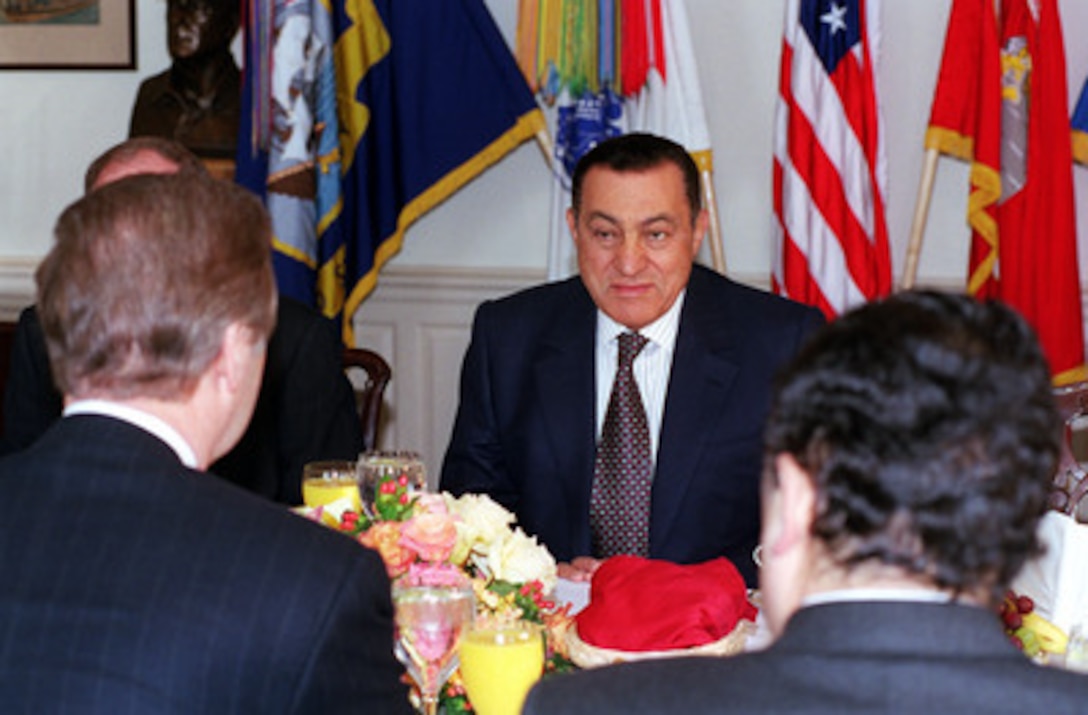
[[1058, 580]]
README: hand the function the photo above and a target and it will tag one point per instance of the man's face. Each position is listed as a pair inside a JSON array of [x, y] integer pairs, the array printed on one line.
[[197, 26], [636, 241]]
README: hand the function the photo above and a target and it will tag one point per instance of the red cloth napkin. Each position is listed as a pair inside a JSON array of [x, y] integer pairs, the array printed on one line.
[[638, 604]]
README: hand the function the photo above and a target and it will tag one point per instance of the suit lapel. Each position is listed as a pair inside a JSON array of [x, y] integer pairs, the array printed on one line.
[[703, 373], [565, 392]]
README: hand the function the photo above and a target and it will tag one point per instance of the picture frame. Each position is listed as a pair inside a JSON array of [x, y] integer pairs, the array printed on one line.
[[67, 34]]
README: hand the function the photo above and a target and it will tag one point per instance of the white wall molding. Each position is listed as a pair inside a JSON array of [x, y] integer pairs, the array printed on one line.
[[17, 289]]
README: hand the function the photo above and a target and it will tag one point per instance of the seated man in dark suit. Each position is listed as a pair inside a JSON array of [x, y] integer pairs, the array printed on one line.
[[536, 428], [910, 451], [131, 581], [306, 409]]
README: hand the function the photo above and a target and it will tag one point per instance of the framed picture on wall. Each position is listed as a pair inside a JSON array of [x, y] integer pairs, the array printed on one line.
[[68, 34]]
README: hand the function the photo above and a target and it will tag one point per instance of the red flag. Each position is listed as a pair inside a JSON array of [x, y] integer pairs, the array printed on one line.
[[1001, 102], [965, 122], [829, 169]]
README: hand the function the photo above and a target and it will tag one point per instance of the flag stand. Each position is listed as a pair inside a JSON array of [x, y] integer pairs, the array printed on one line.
[[918, 225]]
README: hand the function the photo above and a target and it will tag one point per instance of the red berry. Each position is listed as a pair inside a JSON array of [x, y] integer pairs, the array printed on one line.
[[1024, 604], [1013, 620], [403, 480], [1017, 642], [387, 487]]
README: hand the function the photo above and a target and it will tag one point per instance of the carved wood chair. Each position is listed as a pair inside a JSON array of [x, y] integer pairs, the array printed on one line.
[[370, 394], [1071, 481]]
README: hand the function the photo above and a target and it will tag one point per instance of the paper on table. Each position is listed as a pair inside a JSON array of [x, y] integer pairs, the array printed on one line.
[[1058, 581], [575, 593]]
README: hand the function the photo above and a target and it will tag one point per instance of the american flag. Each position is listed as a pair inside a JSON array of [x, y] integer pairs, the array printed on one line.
[[829, 163]]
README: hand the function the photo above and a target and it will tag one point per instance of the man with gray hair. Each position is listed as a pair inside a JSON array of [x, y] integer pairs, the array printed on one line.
[[131, 581]]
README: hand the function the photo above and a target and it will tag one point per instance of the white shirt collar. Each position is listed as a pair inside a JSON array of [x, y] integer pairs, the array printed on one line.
[[662, 332], [139, 418], [917, 595]]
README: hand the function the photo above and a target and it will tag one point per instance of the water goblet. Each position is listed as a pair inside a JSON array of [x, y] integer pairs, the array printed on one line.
[[395, 469], [429, 623]]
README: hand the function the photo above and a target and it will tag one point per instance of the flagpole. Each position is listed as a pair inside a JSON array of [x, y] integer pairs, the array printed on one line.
[[921, 213], [544, 141], [710, 200]]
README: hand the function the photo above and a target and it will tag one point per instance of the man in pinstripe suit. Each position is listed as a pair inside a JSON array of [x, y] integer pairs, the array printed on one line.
[[131, 581]]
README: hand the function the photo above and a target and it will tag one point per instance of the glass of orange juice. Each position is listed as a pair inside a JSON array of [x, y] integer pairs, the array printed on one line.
[[326, 482], [499, 665]]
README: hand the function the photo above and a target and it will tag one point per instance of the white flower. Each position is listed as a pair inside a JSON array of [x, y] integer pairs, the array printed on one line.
[[520, 559], [483, 522]]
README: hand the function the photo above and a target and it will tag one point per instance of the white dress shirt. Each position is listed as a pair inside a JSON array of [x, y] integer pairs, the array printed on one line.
[[652, 366], [137, 418]]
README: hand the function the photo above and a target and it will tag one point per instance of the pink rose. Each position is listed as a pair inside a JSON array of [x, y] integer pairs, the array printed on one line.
[[428, 503], [435, 575], [385, 538], [431, 535]]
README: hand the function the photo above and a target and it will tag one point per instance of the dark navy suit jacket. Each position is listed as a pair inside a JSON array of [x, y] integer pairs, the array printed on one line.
[[305, 410], [132, 584], [859, 657], [525, 428]]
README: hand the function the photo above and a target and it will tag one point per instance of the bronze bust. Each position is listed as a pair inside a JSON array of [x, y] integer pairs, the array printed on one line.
[[197, 101]]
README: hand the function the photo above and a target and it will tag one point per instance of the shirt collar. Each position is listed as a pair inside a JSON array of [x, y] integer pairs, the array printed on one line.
[[916, 595], [144, 420], [662, 332]]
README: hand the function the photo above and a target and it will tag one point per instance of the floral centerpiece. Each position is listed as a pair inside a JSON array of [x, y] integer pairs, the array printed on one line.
[[437, 539]]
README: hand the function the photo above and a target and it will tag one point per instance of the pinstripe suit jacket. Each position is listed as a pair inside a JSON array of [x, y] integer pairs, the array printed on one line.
[[860, 657], [131, 584]]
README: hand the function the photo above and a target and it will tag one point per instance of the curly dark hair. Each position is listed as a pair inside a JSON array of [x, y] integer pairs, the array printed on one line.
[[928, 425]]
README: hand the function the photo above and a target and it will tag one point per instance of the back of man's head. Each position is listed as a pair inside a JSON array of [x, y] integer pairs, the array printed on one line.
[[927, 425], [144, 278], [140, 155]]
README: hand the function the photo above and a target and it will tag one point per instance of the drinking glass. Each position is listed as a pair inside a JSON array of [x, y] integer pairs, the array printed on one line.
[[329, 481], [499, 665], [429, 623], [402, 466]]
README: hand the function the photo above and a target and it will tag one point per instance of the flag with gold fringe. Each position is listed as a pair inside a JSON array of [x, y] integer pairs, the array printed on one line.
[[1079, 126], [1001, 102], [363, 115]]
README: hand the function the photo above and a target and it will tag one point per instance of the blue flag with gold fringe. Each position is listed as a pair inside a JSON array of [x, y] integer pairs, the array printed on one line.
[[1079, 127], [363, 119]]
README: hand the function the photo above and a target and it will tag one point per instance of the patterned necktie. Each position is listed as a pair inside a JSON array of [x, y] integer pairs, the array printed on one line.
[[620, 503]]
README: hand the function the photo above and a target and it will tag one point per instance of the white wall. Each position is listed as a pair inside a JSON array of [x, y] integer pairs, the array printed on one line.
[[53, 123]]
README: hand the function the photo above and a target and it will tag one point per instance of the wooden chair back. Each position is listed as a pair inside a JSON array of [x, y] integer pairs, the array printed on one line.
[[369, 396]]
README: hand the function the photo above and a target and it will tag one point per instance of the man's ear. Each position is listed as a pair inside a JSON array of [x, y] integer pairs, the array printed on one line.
[[234, 356], [572, 224], [702, 225], [794, 506]]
